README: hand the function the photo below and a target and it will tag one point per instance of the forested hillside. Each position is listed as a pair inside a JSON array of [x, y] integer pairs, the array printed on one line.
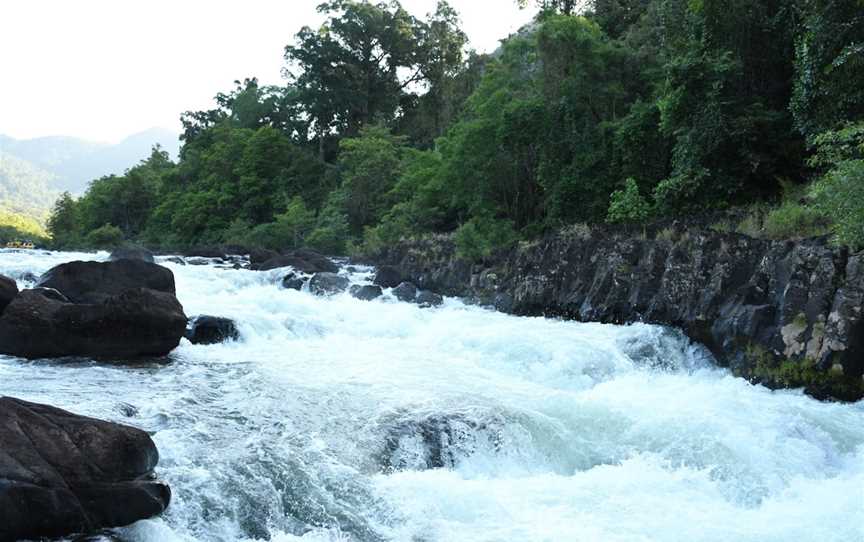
[[612, 110]]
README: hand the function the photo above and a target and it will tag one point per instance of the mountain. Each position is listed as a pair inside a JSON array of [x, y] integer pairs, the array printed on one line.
[[24, 187], [72, 162]]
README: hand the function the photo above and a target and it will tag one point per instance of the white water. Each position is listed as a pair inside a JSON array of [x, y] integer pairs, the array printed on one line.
[[553, 431]]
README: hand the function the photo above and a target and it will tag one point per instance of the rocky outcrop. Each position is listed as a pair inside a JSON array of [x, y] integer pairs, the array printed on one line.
[[304, 261], [63, 474], [211, 330], [367, 292], [94, 282], [132, 253], [783, 313], [328, 284], [137, 322], [8, 291]]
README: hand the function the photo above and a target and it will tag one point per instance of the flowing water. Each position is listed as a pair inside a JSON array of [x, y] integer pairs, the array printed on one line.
[[335, 419]]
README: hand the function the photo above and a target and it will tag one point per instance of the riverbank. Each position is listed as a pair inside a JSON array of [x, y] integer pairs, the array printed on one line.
[[786, 314]]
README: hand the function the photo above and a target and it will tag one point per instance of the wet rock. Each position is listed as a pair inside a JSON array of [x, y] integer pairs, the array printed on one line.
[[328, 283], [211, 330], [62, 474], [94, 282], [304, 261], [760, 306], [137, 322], [388, 276], [428, 299], [51, 293], [212, 252], [8, 291], [200, 261], [405, 292], [437, 441], [132, 253], [293, 281], [176, 259], [367, 292]]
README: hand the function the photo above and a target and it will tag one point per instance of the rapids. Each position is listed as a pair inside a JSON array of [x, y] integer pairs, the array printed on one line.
[[335, 419]]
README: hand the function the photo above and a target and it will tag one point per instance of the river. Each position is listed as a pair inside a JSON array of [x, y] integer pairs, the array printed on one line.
[[334, 419]]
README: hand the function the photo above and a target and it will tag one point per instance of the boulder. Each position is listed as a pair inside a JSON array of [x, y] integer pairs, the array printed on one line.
[[388, 276], [304, 261], [293, 281], [327, 283], [132, 253], [93, 282], [8, 291], [137, 322], [206, 252], [261, 255], [428, 299], [64, 474], [405, 292], [367, 292], [176, 259], [211, 330], [199, 260], [51, 293]]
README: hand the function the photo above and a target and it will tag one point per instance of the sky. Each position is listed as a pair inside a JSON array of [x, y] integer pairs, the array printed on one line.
[[105, 69]]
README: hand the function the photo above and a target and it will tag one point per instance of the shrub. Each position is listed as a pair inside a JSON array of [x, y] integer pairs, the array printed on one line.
[[106, 236], [481, 236], [628, 205], [793, 220]]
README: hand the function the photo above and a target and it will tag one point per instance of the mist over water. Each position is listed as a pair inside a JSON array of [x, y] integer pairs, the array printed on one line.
[[334, 419]]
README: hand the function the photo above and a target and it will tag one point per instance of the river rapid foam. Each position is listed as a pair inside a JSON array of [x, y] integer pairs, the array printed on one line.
[[334, 419]]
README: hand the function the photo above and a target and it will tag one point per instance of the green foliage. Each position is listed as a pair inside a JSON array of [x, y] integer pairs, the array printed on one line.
[[628, 205], [840, 192], [793, 220], [481, 236], [105, 237], [388, 128]]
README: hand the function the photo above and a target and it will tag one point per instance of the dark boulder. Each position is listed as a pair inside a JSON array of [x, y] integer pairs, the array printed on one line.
[[200, 260], [293, 281], [388, 276], [304, 261], [64, 474], [51, 293], [367, 292], [206, 252], [132, 253], [137, 322], [327, 283], [93, 282], [176, 259], [8, 291], [428, 299], [405, 292], [261, 255], [211, 330]]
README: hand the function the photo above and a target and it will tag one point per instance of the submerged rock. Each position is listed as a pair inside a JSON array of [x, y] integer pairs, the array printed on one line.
[[176, 259], [137, 322], [132, 253], [367, 292], [63, 474], [405, 292], [293, 281], [429, 299], [94, 282], [8, 291], [328, 283], [211, 330], [437, 441]]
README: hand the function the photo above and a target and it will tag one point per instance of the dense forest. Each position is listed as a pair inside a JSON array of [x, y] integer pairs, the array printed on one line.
[[625, 111]]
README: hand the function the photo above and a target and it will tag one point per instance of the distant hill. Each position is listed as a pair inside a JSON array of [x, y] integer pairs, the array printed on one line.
[[24, 187], [73, 163]]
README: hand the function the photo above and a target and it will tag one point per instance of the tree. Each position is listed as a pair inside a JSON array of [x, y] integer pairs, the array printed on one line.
[[64, 224], [628, 205]]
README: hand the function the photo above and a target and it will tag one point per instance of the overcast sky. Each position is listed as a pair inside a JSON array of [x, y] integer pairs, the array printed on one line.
[[104, 69]]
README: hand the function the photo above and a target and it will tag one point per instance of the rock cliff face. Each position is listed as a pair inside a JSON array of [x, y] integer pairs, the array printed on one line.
[[785, 314]]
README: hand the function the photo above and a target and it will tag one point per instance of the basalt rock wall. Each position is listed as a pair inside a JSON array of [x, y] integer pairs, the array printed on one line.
[[782, 313]]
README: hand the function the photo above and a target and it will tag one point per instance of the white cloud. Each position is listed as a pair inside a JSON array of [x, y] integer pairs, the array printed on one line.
[[103, 69]]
